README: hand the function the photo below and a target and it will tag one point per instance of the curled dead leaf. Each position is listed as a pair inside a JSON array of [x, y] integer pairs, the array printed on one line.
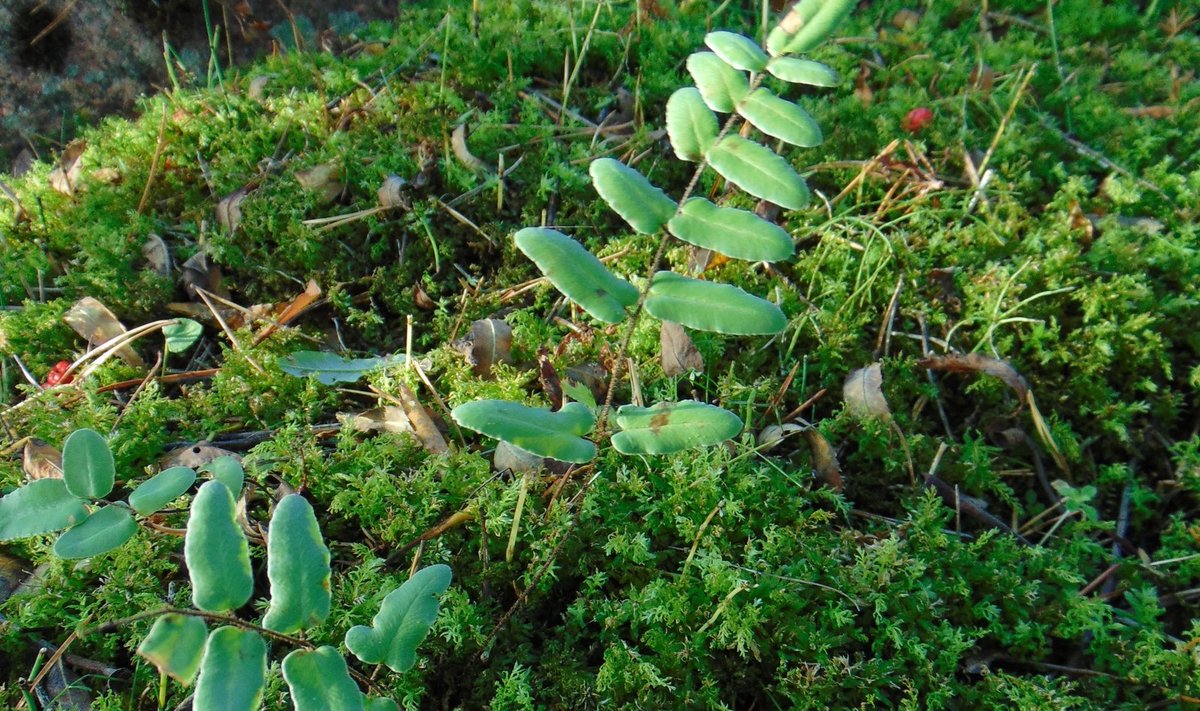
[[422, 422], [95, 323], [393, 193], [388, 418], [156, 254], [863, 393], [200, 271], [824, 458], [490, 343], [65, 176], [512, 458], [982, 365], [194, 456], [229, 209], [548, 377], [679, 354], [458, 143], [41, 461], [323, 179]]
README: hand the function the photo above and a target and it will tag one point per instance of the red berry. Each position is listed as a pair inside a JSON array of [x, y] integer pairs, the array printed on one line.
[[917, 119], [55, 376]]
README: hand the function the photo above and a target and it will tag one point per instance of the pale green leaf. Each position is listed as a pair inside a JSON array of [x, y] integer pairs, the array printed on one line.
[[297, 567], [320, 681], [175, 646], [227, 470], [558, 435], [706, 306], [691, 125], [758, 171], [161, 489], [87, 464], [41, 506], [803, 71], [780, 119], [644, 206], [721, 85], [216, 551], [233, 671], [330, 368], [182, 334], [820, 17], [738, 51], [669, 427], [576, 272], [404, 619], [740, 234], [107, 528]]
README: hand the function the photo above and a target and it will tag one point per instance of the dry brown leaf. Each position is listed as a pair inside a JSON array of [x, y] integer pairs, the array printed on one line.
[[490, 343], [229, 209], [980, 364], [285, 312], [422, 422], [824, 459], [863, 393], [388, 418], [156, 254], [257, 90], [200, 271], [194, 456], [592, 376], [65, 175], [1153, 112], [13, 574], [393, 193], [323, 179], [421, 299], [95, 323], [22, 163], [548, 376], [458, 143], [513, 458], [41, 461], [679, 353]]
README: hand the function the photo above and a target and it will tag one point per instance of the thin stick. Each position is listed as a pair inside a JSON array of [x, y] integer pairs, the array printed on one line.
[[1012, 107], [158, 151], [237, 346]]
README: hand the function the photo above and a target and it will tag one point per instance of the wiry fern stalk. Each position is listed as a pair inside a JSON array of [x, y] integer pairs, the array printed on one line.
[[728, 79]]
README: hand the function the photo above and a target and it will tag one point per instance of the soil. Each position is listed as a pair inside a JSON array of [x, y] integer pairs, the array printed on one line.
[[65, 64]]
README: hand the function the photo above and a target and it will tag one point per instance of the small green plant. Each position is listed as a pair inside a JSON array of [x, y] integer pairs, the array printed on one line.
[[728, 80], [229, 664]]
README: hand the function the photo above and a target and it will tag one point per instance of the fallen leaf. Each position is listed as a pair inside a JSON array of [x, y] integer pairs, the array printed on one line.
[[980, 364], [257, 90], [862, 87], [422, 422], [421, 299], [490, 343], [229, 209], [548, 376], [1154, 112], [592, 376], [200, 271], [323, 179], [824, 458], [65, 175], [194, 456], [393, 193], [22, 163], [512, 458], [388, 418], [156, 254], [285, 312], [458, 143], [95, 323], [679, 353], [41, 461], [863, 393]]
